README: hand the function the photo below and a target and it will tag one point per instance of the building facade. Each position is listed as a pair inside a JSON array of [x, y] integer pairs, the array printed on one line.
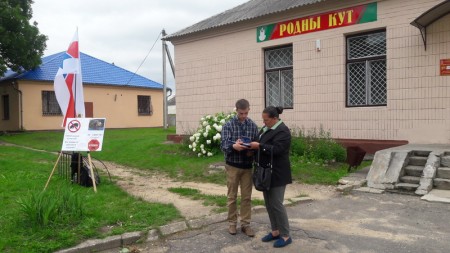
[[28, 102], [356, 68]]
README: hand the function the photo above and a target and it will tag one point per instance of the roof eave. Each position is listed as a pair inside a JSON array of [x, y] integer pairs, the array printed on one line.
[[180, 34], [429, 17], [432, 15]]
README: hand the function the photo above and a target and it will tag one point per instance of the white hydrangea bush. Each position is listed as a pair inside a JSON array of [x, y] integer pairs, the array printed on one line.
[[206, 140]]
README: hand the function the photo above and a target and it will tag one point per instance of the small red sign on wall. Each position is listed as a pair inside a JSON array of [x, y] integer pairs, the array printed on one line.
[[445, 67]]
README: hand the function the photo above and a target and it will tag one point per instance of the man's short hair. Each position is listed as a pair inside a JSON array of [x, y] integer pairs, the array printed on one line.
[[242, 104]]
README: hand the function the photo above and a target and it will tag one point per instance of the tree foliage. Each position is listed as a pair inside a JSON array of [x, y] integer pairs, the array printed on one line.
[[21, 44]]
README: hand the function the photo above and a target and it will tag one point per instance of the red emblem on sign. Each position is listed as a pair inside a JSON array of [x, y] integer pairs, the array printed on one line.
[[93, 145]]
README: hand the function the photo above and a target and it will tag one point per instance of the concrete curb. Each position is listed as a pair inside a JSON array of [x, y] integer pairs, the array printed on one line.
[[95, 245], [369, 190], [299, 200], [155, 234], [173, 228], [200, 222], [152, 235]]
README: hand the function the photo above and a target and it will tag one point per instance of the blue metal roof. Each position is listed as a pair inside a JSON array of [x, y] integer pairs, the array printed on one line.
[[94, 71], [8, 75]]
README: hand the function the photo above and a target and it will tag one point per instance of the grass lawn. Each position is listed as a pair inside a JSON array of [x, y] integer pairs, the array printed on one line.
[[110, 211], [144, 148], [315, 173], [141, 148]]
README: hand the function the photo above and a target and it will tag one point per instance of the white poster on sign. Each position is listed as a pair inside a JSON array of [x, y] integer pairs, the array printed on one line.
[[84, 134]]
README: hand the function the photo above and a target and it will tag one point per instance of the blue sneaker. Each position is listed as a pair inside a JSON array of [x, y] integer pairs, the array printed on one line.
[[270, 237], [280, 243]]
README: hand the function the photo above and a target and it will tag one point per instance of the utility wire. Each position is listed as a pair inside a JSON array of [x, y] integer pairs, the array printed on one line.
[[144, 59]]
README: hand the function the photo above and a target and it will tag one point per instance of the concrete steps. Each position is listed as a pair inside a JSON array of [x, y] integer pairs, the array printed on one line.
[[418, 160], [442, 180], [443, 172], [441, 184], [445, 161], [407, 187], [424, 153], [414, 170], [410, 179]]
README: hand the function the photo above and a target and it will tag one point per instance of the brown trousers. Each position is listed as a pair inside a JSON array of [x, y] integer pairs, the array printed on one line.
[[242, 177]]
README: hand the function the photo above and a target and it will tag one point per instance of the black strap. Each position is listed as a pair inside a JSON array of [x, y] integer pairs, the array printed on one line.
[[271, 156]]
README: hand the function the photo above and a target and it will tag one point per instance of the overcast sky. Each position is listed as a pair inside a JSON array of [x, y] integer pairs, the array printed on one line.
[[122, 31]]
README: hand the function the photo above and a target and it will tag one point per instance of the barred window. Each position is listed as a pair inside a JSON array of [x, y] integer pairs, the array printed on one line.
[[279, 80], [5, 101], [366, 69], [144, 105], [50, 106]]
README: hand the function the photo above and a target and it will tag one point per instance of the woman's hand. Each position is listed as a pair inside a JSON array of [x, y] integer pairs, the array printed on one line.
[[254, 145]]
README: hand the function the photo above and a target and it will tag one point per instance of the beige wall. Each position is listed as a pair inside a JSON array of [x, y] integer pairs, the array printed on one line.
[[12, 124], [117, 104], [216, 68]]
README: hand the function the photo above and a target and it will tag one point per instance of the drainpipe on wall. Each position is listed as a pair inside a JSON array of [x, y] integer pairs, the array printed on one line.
[[164, 80], [20, 103]]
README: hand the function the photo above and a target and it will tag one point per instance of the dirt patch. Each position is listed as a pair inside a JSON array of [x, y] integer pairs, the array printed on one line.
[[152, 187]]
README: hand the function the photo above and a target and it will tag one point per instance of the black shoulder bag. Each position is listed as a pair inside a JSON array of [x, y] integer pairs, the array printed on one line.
[[262, 174]]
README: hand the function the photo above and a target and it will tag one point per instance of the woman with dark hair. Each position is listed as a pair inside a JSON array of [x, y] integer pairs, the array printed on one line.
[[275, 138]]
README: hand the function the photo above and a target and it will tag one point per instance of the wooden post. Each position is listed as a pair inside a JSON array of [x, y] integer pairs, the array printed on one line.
[[53, 171], [79, 168], [92, 172]]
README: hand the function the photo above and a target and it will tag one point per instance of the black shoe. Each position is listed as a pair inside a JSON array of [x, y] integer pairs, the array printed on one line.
[[280, 243], [270, 237]]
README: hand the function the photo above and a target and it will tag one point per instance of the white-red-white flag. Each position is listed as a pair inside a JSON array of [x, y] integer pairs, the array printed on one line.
[[68, 83]]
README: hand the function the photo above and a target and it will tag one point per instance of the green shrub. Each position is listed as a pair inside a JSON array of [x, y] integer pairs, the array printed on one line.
[[50, 207], [299, 145], [316, 145]]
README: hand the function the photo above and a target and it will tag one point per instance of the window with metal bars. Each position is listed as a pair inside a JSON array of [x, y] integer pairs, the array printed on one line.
[[366, 69], [279, 79], [144, 105], [50, 106], [5, 101]]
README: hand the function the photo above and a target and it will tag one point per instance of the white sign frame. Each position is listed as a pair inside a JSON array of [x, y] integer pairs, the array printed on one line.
[[84, 134]]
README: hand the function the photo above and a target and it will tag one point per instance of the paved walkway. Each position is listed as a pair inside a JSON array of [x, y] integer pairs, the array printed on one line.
[[352, 222], [358, 222]]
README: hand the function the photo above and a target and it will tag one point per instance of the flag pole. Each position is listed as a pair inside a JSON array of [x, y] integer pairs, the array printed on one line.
[[75, 110], [75, 98], [75, 80]]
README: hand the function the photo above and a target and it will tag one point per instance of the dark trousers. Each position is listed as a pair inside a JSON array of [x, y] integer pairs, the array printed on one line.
[[277, 213]]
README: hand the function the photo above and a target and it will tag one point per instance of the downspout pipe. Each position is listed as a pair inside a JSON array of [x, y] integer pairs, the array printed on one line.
[[20, 102]]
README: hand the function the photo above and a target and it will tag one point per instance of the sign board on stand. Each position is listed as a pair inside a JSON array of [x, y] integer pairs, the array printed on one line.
[[84, 134]]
